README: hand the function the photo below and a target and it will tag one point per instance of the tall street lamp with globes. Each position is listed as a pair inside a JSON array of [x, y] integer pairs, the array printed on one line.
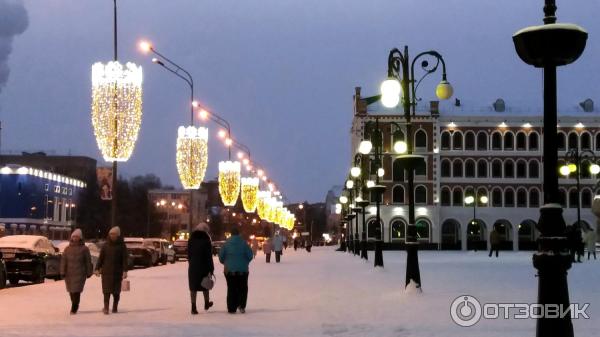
[[574, 159], [549, 46], [401, 76]]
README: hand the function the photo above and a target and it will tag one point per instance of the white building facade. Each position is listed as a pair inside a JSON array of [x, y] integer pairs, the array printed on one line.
[[494, 152]]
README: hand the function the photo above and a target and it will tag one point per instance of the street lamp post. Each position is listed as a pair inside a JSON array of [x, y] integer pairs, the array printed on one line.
[[574, 157], [401, 75], [473, 200], [549, 46]]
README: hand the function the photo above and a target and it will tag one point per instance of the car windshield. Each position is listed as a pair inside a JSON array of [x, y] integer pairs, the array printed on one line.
[[133, 243]]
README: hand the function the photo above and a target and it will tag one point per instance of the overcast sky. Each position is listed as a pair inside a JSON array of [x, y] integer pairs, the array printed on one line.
[[282, 72]]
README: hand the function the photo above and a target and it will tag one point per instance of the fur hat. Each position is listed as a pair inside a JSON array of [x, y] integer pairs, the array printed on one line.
[[78, 233], [115, 230], [203, 226]]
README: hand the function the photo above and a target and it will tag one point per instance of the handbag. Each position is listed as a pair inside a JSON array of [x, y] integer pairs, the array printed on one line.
[[125, 285], [208, 281]]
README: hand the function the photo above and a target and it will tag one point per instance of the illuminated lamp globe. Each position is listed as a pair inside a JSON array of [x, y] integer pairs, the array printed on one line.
[[444, 90], [370, 184], [483, 199], [564, 170], [344, 199], [572, 167], [390, 92], [469, 200], [365, 147], [400, 147], [380, 172], [355, 172], [350, 184], [594, 169]]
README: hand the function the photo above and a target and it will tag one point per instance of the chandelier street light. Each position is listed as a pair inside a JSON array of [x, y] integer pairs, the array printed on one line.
[[229, 181], [402, 70], [549, 46], [250, 194], [192, 143], [575, 159], [473, 200], [116, 111]]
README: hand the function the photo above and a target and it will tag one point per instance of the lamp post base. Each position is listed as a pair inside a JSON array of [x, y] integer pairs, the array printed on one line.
[[363, 249], [356, 247], [378, 253], [413, 274]]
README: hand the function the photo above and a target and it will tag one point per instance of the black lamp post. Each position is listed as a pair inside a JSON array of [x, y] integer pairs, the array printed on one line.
[[549, 46], [357, 172], [574, 157], [401, 75]]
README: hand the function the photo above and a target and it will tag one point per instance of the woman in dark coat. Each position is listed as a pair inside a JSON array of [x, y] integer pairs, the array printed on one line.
[[200, 265], [112, 265], [75, 268]]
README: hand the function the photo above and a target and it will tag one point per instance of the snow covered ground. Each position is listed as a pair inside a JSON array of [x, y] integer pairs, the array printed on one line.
[[324, 293]]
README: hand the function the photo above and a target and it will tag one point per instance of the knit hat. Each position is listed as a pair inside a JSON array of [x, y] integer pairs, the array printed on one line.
[[115, 230], [203, 226], [78, 233]]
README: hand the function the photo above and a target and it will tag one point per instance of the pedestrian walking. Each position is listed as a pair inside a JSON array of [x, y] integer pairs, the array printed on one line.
[[254, 247], [575, 242], [112, 266], [277, 247], [591, 238], [285, 241], [75, 268], [308, 245], [267, 248], [295, 244], [200, 265], [494, 241], [236, 255]]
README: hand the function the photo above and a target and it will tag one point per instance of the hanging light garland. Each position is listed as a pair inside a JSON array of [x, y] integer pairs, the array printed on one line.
[[261, 207], [229, 181], [250, 194], [192, 155], [116, 108]]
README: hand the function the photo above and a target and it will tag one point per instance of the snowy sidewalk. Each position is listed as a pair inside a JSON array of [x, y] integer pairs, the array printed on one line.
[[324, 293]]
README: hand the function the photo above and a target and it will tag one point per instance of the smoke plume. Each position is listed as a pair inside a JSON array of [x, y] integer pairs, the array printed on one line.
[[13, 21]]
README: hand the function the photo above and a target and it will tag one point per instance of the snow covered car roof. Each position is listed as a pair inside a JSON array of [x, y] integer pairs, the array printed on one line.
[[20, 241]]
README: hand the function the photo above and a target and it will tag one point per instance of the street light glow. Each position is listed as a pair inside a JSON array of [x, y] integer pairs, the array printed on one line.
[[444, 90], [145, 46], [222, 134], [355, 172], [400, 147], [564, 170], [350, 184], [365, 147], [594, 169], [390, 92], [380, 172], [469, 200], [483, 199], [343, 200]]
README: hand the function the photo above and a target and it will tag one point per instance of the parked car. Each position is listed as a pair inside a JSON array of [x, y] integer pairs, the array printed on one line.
[[164, 248], [30, 258], [216, 247], [3, 276], [180, 247], [142, 252]]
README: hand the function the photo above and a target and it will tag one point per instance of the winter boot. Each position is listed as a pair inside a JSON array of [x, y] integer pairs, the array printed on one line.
[[207, 305], [194, 309], [115, 308], [242, 310]]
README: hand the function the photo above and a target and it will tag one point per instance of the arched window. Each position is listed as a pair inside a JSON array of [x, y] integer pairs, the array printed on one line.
[[470, 141], [420, 195], [397, 136], [482, 141], [374, 230], [561, 141], [398, 228], [534, 198], [509, 197], [397, 171], [422, 229], [398, 194], [457, 197], [534, 143], [521, 198], [572, 140], [586, 198], [445, 140], [573, 197], [497, 197], [445, 196], [562, 193], [496, 169], [421, 140], [521, 141], [457, 168], [521, 169], [482, 169], [509, 141], [445, 168], [586, 141], [457, 141], [534, 169], [421, 169], [509, 169], [470, 169], [496, 141]]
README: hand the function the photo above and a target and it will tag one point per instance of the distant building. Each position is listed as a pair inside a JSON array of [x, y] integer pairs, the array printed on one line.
[[493, 151], [333, 219], [173, 207], [34, 201], [78, 167]]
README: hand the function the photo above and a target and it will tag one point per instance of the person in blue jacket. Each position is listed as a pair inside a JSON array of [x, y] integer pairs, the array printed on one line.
[[236, 255]]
